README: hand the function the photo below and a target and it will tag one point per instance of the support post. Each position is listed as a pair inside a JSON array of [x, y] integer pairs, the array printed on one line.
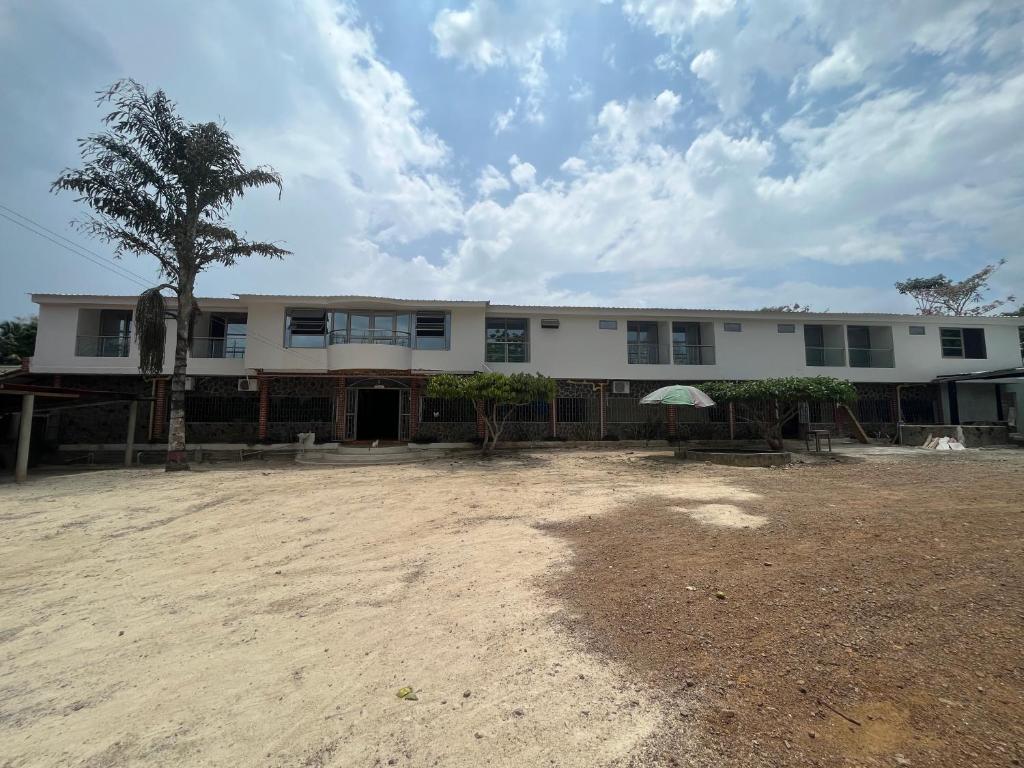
[[264, 408], [159, 409], [129, 441], [553, 416], [28, 403], [673, 420], [732, 421], [603, 408]]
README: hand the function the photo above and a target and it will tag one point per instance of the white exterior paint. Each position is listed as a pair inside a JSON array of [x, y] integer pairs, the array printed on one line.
[[577, 349]]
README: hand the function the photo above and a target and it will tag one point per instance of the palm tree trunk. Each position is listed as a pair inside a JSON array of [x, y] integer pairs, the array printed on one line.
[[177, 457]]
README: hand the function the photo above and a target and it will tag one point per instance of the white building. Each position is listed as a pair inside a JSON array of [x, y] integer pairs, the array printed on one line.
[[265, 367]]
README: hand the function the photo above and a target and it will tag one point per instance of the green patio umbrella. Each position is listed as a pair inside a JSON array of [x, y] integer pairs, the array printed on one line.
[[678, 394]]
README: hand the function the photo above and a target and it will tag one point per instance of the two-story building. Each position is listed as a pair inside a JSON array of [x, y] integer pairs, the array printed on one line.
[[263, 368]]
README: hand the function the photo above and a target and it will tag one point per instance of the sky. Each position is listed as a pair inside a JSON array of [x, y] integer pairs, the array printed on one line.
[[668, 153]]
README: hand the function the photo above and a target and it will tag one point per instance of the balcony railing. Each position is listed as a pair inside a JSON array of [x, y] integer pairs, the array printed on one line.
[[372, 336], [218, 347], [642, 353], [871, 358], [693, 354], [827, 356], [508, 352], [102, 346]]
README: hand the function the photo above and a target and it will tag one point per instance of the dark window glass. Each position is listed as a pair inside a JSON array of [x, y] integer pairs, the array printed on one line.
[[952, 341], [974, 343], [431, 330], [917, 330], [608, 325]]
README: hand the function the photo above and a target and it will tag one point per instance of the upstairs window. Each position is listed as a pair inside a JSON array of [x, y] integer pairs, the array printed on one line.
[[507, 340], [306, 328], [432, 330], [917, 330], [608, 325], [968, 343], [733, 327]]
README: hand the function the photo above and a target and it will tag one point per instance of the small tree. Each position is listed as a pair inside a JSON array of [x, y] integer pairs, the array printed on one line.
[[796, 307], [770, 403], [163, 187], [494, 396], [938, 295], [17, 339]]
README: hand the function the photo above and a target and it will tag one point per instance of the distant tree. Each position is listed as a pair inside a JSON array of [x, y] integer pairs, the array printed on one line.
[[494, 395], [161, 186], [17, 339], [770, 403], [789, 308], [1018, 312], [938, 295]]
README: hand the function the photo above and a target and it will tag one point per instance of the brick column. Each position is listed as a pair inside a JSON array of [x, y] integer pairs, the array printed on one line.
[[415, 391], [894, 404], [673, 419], [159, 409], [602, 398], [481, 430], [341, 410], [553, 415], [264, 389]]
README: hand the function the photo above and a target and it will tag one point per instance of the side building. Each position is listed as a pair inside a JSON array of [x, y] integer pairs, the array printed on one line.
[[264, 368]]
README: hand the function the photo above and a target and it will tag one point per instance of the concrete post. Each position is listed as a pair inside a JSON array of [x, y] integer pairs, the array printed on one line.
[[129, 441], [28, 403]]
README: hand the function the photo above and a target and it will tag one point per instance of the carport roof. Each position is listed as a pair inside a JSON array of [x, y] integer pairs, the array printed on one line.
[[1001, 373]]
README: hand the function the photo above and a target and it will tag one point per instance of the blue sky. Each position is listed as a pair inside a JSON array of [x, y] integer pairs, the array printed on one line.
[[690, 153]]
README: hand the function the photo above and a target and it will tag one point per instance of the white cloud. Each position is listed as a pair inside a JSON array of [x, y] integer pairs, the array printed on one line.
[[491, 180], [894, 177], [622, 127], [487, 34], [813, 44], [523, 174]]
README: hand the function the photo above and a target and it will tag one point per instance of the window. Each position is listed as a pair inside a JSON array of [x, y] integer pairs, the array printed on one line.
[[549, 323], [507, 340], [786, 327], [968, 343], [306, 328], [432, 330], [917, 330], [226, 339], [108, 333], [366, 327], [642, 342], [1020, 336], [688, 347], [608, 325], [733, 327]]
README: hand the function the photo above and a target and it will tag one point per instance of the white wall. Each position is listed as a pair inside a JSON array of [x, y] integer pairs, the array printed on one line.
[[577, 349]]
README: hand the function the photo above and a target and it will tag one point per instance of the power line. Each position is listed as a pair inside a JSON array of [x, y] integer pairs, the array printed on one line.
[[74, 248]]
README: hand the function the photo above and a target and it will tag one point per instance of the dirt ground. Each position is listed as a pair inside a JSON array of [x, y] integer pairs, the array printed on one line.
[[554, 608]]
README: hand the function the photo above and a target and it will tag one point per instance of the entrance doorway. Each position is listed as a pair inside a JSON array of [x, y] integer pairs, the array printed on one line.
[[378, 414]]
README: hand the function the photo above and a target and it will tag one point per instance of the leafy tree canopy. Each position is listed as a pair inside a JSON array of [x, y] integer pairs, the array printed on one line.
[[17, 339], [939, 295], [770, 403], [492, 394], [795, 307]]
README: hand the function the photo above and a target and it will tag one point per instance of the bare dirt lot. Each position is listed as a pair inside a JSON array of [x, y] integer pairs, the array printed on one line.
[[554, 608]]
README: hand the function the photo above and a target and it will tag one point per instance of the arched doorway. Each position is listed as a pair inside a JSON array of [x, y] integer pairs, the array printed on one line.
[[377, 409]]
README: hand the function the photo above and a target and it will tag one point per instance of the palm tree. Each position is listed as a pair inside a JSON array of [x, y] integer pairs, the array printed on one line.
[[161, 186]]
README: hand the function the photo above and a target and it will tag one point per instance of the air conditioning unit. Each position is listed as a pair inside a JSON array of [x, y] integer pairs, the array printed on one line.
[[248, 385], [190, 383], [620, 387]]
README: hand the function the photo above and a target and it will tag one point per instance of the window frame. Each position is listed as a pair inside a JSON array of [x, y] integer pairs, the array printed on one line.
[[607, 325], [492, 323], [289, 314], [732, 326], [945, 336], [446, 326], [917, 330]]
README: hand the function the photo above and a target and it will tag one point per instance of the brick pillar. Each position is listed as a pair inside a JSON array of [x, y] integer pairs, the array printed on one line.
[[602, 398], [732, 422], [415, 392], [157, 429], [673, 420], [553, 416], [264, 388], [56, 380], [481, 430], [341, 410]]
